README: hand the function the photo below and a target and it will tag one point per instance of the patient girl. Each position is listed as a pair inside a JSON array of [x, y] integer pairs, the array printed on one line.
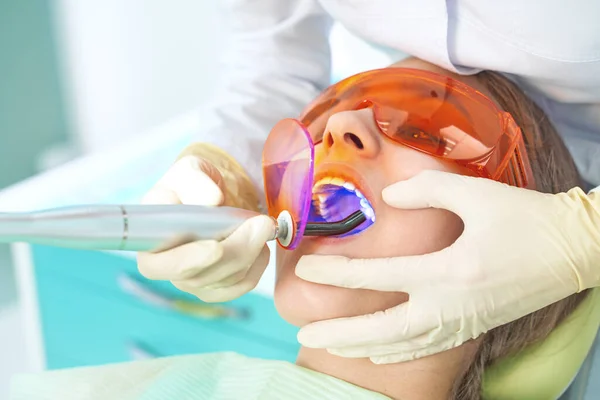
[[353, 152]]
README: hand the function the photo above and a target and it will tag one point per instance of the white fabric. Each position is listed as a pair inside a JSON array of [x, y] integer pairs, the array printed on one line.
[[216, 376], [279, 59]]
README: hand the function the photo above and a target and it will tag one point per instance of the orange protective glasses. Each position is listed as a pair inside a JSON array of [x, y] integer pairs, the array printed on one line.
[[434, 114], [425, 111]]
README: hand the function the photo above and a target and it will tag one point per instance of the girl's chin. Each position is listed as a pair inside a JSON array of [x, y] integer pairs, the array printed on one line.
[[300, 302]]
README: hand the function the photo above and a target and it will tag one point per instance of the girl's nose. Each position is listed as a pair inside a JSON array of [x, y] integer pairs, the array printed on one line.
[[353, 131]]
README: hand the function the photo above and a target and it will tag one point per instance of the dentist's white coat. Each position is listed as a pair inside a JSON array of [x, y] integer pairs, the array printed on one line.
[[278, 60]]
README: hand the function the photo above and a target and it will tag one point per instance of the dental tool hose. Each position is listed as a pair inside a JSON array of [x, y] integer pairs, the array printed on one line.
[[144, 227]]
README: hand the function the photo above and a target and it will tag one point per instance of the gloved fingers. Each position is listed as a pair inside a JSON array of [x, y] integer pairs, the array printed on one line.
[[161, 195], [246, 243], [222, 275], [401, 351], [409, 355], [414, 353], [363, 351], [259, 265], [228, 293], [235, 253], [436, 189], [215, 277], [399, 274], [383, 327], [242, 248], [180, 262], [252, 235], [190, 180], [345, 332]]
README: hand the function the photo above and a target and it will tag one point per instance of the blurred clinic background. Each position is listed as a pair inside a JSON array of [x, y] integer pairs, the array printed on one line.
[[96, 100]]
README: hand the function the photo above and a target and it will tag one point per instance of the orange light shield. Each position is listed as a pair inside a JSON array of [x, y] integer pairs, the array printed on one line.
[[288, 168]]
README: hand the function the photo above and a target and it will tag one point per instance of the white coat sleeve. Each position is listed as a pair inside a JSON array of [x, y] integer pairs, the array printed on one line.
[[277, 61]]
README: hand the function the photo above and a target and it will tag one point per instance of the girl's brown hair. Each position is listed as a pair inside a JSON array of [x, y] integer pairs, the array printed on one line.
[[554, 171]]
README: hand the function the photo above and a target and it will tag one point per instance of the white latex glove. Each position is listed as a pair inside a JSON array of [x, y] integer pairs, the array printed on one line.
[[213, 271], [520, 251]]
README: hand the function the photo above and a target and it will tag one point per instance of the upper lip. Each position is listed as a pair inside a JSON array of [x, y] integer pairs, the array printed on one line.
[[347, 173]]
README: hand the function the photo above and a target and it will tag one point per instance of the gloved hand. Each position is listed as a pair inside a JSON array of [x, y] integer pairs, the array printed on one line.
[[213, 271], [520, 251]]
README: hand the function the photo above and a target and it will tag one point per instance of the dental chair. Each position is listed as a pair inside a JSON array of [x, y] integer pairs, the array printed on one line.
[[554, 369]]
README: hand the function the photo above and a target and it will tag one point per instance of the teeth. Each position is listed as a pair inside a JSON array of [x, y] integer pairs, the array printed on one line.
[[369, 213], [337, 181], [350, 186], [318, 186], [322, 190]]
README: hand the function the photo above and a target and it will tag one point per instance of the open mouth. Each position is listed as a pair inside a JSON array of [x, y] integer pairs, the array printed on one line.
[[334, 199]]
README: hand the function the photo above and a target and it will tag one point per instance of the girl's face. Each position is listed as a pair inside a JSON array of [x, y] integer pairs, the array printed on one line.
[[354, 151]]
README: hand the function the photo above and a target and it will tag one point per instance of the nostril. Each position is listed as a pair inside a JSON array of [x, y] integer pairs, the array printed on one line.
[[351, 137], [328, 139]]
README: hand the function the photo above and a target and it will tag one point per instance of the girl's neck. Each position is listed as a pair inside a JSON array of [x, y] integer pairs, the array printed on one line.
[[429, 378]]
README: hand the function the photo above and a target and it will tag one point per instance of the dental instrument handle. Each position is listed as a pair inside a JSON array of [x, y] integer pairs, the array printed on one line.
[[123, 227]]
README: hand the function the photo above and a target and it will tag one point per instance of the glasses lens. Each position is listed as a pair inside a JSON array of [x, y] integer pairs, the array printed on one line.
[[441, 117], [288, 166]]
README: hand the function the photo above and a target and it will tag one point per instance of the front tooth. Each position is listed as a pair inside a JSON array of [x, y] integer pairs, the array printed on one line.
[[349, 186], [337, 181], [319, 187]]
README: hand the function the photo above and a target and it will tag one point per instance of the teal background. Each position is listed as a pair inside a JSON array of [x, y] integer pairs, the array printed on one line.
[[32, 108]]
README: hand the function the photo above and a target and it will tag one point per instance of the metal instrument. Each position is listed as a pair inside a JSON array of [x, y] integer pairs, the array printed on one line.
[[145, 227]]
